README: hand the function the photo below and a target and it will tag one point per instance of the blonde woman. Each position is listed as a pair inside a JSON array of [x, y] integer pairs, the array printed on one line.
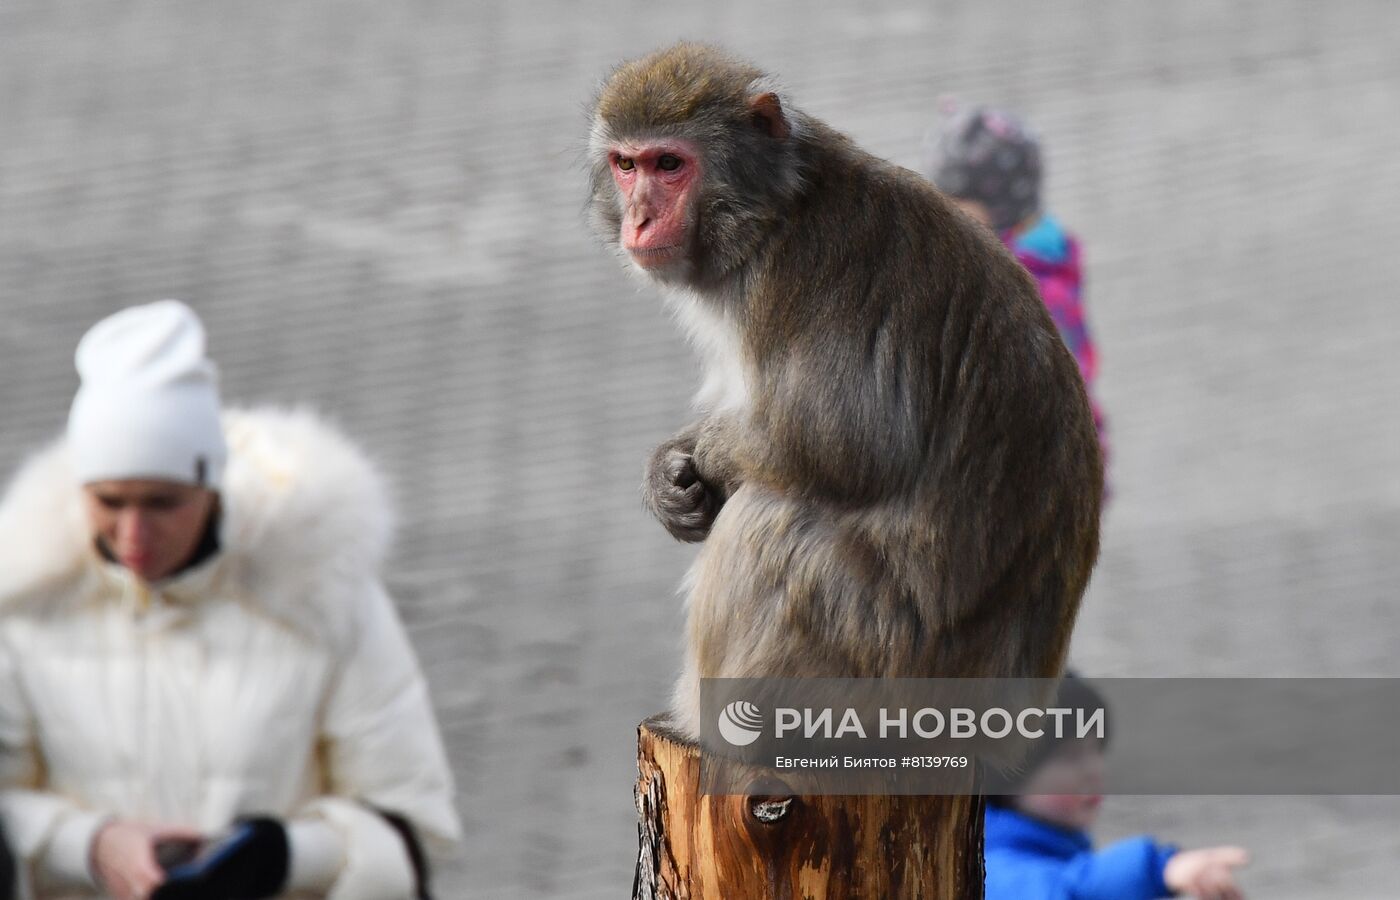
[[204, 689]]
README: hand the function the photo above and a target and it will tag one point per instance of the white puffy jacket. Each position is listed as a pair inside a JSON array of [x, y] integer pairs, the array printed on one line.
[[274, 678]]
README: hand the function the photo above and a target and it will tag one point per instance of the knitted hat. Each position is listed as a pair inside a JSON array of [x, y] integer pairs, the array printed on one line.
[[148, 406], [983, 154]]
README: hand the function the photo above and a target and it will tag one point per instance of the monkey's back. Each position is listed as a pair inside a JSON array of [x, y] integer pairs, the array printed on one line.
[[923, 484]]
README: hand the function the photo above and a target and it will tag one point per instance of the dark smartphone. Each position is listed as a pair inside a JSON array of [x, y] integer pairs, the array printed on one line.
[[173, 852]]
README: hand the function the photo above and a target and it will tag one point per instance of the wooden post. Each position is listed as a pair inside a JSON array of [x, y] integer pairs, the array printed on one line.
[[774, 846]]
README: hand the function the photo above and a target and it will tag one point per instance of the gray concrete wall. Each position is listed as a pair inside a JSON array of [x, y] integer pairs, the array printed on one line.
[[377, 208]]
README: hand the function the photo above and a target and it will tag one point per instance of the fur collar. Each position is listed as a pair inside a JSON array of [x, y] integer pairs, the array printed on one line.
[[303, 510]]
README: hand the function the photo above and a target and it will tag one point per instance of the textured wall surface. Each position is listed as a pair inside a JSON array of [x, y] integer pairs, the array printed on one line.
[[377, 208]]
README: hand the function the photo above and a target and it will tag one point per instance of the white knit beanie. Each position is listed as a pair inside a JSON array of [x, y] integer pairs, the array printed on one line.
[[148, 406]]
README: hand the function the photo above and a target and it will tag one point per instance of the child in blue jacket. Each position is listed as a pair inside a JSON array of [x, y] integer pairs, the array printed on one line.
[[1037, 841]]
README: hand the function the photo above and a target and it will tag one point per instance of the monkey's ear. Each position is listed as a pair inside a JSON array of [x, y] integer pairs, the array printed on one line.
[[768, 117]]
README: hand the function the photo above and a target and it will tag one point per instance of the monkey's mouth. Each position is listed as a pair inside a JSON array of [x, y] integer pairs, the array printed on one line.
[[650, 256]]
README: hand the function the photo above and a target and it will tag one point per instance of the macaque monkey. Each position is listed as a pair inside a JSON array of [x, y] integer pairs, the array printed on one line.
[[895, 471]]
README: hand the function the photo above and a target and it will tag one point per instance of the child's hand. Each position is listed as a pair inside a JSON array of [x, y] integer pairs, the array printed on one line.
[[1207, 873]]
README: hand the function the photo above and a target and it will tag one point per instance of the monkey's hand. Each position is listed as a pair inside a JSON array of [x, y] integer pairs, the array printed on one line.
[[676, 495]]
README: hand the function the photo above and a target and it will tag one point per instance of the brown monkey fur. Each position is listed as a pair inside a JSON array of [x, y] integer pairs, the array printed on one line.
[[895, 473]]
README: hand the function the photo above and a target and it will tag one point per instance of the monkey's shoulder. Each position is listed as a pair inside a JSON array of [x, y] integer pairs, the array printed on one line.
[[869, 231]]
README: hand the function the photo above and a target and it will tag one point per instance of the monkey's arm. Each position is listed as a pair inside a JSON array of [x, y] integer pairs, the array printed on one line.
[[690, 477]]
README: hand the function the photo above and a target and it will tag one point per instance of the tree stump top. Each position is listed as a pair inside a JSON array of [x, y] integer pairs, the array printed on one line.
[[774, 843]]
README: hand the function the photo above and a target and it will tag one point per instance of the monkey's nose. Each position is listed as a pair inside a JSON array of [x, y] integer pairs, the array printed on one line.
[[635, 229]]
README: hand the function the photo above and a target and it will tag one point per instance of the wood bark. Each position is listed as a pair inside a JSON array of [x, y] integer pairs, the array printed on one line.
[[772, 844]]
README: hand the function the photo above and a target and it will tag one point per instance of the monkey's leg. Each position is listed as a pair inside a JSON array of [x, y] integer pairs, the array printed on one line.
[[782, 588]]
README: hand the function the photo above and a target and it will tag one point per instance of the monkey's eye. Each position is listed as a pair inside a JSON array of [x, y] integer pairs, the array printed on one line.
[[668, 163], [625, 164]]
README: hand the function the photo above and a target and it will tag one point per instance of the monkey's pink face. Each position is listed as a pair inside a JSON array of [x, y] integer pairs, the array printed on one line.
[[656, 180]]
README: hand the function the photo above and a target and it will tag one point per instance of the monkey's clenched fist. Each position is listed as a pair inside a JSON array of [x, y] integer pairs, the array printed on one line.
[[676, 495], [896, 472]]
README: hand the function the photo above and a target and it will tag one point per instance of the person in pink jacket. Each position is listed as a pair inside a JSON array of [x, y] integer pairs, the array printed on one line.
[[989, 162], [205, 690]]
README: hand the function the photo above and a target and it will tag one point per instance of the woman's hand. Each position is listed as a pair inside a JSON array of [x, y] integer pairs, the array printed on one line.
[[124, 856]]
